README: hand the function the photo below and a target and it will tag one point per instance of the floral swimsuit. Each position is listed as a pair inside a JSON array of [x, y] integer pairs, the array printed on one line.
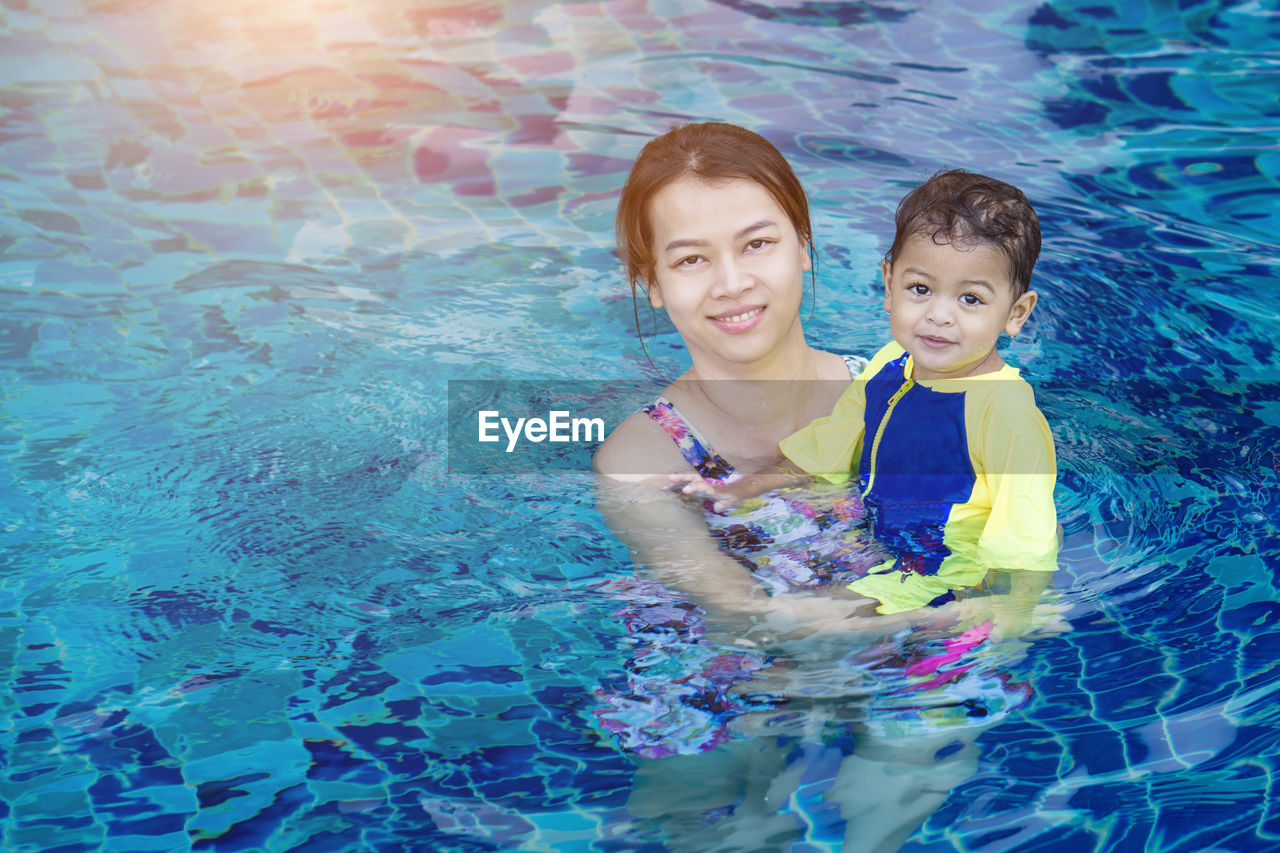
[[790, 538]]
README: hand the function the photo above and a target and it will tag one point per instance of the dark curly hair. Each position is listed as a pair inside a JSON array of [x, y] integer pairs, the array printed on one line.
[[965, 208]]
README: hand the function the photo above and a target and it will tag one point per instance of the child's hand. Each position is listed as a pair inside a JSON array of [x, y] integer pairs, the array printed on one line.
[[1010, 617], [1049, 619]]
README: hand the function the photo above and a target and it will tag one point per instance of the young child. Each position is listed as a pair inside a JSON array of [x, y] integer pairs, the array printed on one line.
[[954, 461]]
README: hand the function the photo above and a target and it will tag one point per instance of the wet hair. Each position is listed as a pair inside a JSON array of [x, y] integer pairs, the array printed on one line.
[[963, 209], [710, 151]]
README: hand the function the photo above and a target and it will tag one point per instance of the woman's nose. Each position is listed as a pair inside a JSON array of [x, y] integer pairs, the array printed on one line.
[[733, 279]]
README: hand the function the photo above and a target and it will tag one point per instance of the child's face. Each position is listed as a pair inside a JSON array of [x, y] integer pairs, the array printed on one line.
[[948, 305]]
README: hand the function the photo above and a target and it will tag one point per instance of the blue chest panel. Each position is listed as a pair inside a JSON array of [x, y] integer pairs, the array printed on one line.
[[921, 465]]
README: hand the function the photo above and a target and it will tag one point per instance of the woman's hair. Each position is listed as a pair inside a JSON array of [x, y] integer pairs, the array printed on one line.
[[962, 207], [710, 151]]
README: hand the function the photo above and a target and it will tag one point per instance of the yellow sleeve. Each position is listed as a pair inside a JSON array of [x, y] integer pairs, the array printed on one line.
[[1020, 466], [828, 446]]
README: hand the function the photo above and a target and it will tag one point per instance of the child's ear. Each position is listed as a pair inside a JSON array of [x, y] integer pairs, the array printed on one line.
[[886, 273], [1019, 313]]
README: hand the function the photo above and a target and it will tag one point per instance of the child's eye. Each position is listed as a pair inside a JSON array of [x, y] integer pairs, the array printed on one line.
[[971, 299], [918, 289]]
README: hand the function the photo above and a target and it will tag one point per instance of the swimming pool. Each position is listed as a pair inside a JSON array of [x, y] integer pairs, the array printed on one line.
[[247, 605]]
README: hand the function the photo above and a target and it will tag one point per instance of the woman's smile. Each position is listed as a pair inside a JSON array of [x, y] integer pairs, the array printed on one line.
[[735, 321]]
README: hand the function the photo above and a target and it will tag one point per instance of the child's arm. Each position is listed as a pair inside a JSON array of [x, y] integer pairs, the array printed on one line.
[[1020, 539], [1015, 610], [828, 446], [1021, 530]]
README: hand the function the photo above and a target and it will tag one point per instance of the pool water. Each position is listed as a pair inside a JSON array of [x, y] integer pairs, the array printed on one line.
[[247, 604]]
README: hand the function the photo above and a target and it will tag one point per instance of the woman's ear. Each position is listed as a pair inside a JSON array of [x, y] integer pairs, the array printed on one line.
[[654, 292], [1019, 313]]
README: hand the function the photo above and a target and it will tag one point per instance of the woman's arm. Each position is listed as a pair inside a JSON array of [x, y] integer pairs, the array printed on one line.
[[668, 536], [664, 530]]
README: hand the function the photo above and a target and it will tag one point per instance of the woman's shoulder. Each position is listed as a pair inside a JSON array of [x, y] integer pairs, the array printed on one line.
[[839, 366], [638, 449]]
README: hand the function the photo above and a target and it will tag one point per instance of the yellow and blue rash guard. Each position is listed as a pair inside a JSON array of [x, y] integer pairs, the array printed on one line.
[[957, 476]]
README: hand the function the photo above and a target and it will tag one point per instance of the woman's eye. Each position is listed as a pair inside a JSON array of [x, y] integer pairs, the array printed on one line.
[[690, 261], [757, 244]]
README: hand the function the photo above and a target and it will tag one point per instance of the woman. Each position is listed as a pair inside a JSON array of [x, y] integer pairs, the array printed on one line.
[[713, 227]]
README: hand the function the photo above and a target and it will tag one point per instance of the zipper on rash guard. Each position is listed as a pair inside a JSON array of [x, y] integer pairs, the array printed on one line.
[[875, 443]]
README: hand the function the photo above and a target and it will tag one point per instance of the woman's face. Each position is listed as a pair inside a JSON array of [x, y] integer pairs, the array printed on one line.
[[729, 268]]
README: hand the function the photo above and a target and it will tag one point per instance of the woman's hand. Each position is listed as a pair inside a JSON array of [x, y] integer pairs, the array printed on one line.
[[850, 617], [729, 495], [723, 497]]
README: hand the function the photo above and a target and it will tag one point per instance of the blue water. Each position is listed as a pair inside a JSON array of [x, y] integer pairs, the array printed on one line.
[[245, 604]]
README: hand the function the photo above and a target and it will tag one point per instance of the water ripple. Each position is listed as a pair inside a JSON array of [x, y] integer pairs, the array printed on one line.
[[242, 254]]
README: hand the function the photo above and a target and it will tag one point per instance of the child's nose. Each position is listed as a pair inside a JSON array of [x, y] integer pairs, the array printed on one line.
[[941, 313]]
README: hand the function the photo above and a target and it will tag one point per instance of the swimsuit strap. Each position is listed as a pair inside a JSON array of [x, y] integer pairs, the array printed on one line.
[[855, 363], [695, 449]]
